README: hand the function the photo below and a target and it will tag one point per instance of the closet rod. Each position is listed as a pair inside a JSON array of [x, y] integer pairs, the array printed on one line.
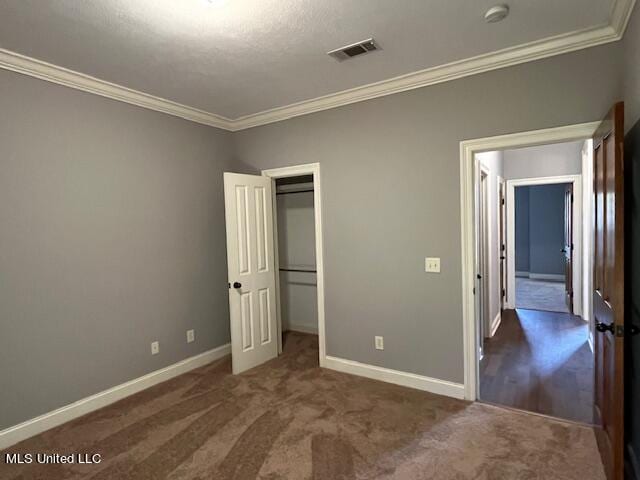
[[297, 191], [297, 270]]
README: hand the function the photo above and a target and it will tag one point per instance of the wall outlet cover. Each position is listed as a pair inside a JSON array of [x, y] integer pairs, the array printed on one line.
[[432, 264], [379, 342], [155, 348], [191, 336]]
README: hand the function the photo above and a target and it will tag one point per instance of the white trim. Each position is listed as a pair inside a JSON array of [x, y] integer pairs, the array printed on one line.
[[554, 277], [294, 171], [411, 380], [495, 324], [313, 330], [576, 180], [86, 83], [507, 57], [12, 435], [527, 52], [468, 149]]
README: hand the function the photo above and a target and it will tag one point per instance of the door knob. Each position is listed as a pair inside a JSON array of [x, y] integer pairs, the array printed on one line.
[[603, 327], [237, 285]]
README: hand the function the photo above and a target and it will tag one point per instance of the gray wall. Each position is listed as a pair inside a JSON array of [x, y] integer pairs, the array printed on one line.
[[539, 228], [546, 231], [391, 196], [631, 78], [297, 249], [544, 160], [493, 162], [521, 197], [111, 237]]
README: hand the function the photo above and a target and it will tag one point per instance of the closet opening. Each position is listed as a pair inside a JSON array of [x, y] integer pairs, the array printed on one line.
[[296, 261]]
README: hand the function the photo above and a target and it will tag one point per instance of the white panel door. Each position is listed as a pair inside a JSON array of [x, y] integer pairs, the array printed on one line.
[[252, 276]]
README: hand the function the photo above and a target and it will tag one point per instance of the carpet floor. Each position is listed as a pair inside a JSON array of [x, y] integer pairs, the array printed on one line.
[[289, 419], [540, 295]]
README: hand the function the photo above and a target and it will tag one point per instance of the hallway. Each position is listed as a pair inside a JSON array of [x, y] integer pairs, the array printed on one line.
[[540, 362]]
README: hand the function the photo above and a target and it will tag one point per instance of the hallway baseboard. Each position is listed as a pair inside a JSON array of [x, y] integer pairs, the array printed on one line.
[[495, 324]]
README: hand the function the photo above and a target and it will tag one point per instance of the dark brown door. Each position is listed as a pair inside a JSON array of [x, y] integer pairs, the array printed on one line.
[[503, 249], [568, 246], [608, 295]]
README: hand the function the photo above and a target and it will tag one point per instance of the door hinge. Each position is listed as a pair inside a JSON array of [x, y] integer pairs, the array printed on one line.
[[474, 290], [504, 292], [502, 201], [503, 247]]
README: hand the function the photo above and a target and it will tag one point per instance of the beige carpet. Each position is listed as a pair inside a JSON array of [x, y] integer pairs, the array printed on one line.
[[540, 295], [289, 419]]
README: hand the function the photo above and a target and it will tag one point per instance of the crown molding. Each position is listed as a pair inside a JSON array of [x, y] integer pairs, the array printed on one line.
[[528, 52], [69, 78], [443, 73]]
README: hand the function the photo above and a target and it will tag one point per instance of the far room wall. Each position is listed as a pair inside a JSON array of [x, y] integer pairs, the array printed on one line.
[[539, 228]]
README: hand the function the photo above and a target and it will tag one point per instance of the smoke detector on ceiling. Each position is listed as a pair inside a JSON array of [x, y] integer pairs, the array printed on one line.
[[496, 13], [355, 49]]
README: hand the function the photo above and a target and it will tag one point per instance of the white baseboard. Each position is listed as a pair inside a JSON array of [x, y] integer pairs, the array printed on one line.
[[412, 380], [12, 435], [495, 324], [547, 276], [304, 329]]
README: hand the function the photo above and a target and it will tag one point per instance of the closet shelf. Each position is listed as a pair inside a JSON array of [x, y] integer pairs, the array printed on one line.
[[298, 269]]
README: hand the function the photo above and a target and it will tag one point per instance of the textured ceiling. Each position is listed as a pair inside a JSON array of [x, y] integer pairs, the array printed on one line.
[[238, 57]]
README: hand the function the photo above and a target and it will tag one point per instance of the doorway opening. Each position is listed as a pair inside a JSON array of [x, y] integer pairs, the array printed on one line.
[[546, 254], [266, 286], [296, 255], [533, 334]]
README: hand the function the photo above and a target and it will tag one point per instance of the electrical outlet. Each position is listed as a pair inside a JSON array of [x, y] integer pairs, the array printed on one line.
[[191, 336], [379, 343], [432, 264], [155, 348]]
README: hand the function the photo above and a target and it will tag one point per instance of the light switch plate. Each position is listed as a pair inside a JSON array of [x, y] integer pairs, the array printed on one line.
[[379, 341], [155, 348], [432, 264], [191, 336]]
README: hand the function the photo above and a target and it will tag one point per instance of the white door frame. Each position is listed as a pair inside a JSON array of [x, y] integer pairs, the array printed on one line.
[[576, 181], [468, 149], [294, 171], [484, 240]]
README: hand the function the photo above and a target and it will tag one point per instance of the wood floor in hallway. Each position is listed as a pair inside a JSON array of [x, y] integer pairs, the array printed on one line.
[[540, 362]]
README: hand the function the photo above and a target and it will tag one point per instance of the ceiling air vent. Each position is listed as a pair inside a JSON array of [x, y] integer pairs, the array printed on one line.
[[355, 49]]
